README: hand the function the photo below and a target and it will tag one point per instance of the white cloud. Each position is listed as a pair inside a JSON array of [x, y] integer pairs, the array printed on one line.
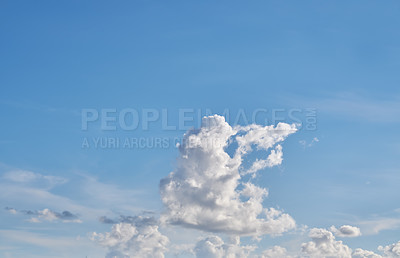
[[206, 192], [209, 190], [392, 250], [275, 252], [323, 244], [346, 231], [214, 247], [305, 144], [140, 238], [377, 225], [274, 158], [179, 250], [360, 253], [29, 177]]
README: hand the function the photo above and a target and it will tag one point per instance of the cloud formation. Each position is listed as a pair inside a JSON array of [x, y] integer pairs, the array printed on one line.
[[29, 177], [211, 189], [139, 238], [214, 247], [47, 215], [275, 252], [129, 219], [323, 244], [360, 253], [375, 226], [346, 231], [206, 190], [310, 144], [392, 250]]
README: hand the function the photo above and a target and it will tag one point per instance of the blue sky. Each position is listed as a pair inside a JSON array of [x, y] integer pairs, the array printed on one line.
[[58, 58]]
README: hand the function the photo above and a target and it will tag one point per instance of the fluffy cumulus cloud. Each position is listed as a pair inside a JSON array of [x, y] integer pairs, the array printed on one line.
[[275, 252], [392, 250], [207, 191], [214, 247], [346, 231], [360, 253], [138, 238], [324, 244], [211, 189]]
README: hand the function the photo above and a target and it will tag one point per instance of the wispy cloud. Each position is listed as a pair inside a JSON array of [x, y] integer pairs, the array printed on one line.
[[306, 144], [22, 188], [39, 107], [376, 225], [50, 245], [47, 215], [354, 105], [367, 109], [29, 177]]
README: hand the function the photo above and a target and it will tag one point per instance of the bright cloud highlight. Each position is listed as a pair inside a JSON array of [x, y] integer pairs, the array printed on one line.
[[207, 191]]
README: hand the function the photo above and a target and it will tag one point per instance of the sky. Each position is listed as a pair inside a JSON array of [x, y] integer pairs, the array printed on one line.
[[199, 129]]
